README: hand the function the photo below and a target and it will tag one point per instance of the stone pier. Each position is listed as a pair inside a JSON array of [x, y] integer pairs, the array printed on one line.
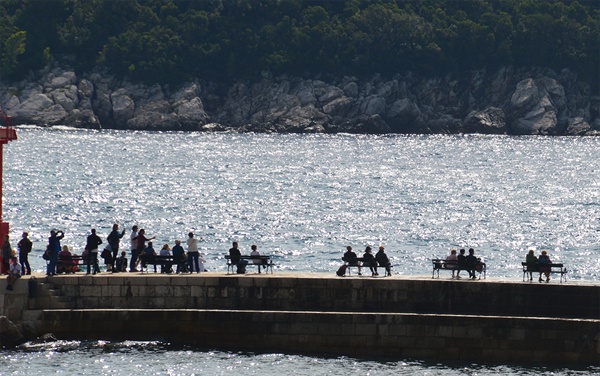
[[396, 317]]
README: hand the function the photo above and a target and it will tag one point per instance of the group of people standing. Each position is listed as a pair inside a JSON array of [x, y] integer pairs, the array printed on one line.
[[367, 261], [141, 248]]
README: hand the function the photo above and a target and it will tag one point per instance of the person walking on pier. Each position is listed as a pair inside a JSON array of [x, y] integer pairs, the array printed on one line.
[[114, 239], [54, 248], [133, 247], [25, 246], [93, 241]]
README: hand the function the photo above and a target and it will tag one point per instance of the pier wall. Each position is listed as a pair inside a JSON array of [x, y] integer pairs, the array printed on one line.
[[331, 294], [389, 317]]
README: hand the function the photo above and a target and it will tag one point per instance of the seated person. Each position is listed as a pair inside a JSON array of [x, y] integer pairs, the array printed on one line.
[[451, 261], [14, 272], [121, 263], [471, 263], [179, 257], [461, 262], [257, 261], [148, 256], [165, 267], [351, 258], [369, 261], [66, 264], [235, 258], [532, 263], [544, 265], [384, 261]]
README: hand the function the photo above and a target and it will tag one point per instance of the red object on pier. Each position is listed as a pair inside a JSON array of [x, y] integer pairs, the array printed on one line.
[[7, 134]]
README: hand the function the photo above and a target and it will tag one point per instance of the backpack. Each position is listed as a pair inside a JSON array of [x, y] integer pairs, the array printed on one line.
[[342, 270]]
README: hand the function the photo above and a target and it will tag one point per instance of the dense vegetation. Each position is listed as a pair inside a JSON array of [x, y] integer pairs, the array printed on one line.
[[171, 41]]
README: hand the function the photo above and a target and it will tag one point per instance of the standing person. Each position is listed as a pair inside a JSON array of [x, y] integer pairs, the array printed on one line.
[[133, 247], [93, 241], [383, 260], [193, 254], [114, 240], [25, 246], [141, 240], [54, 248], [6, 254], [235, 258], [178, 257]]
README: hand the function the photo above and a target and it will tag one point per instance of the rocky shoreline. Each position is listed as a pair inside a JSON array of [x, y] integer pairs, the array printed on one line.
[[506, 101]]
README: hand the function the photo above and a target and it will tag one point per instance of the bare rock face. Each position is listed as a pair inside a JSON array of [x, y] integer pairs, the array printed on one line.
[[10, 336], [505, 101], [489, 121], [535, 106]]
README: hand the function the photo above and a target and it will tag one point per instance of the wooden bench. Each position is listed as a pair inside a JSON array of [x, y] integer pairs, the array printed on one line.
[[70, 264], [166, 263], [359, 265], [443, 264], [552, 268], [265, 261]]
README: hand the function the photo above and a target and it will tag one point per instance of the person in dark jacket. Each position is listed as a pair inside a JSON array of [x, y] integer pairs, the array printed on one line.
[[93, 241], [383, 261], [369, 261]]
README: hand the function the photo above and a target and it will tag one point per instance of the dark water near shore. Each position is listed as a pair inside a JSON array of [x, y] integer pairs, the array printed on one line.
[[302, 198], [150, 358]]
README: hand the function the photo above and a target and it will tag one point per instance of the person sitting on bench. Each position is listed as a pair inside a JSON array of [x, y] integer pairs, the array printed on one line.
[[236, 260], [351, 258], [383, 261]]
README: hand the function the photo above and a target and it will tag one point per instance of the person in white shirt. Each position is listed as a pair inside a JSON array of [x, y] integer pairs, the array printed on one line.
[[133, 241], [193, 254], [165, 251], [256, 261], [14, 273]]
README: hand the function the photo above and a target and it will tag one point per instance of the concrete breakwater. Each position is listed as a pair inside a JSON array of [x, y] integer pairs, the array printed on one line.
[[418, 317]]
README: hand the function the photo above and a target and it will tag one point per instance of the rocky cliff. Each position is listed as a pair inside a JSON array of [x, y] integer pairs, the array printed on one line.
[[506, 101]]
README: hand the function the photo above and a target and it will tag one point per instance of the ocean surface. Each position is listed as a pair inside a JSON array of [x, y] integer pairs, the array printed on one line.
[[302, 199]]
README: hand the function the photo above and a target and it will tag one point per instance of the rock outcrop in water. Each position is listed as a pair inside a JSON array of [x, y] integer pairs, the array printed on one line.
[[536, 102]]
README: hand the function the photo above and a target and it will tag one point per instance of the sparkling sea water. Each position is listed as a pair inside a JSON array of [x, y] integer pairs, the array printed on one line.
[[302, 199]]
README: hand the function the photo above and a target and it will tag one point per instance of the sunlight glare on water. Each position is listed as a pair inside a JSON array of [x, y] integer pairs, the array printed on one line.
[[303, 198]]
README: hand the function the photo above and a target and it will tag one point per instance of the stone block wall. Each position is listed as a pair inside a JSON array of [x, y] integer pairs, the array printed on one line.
[[324, 293], [393, 335]]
